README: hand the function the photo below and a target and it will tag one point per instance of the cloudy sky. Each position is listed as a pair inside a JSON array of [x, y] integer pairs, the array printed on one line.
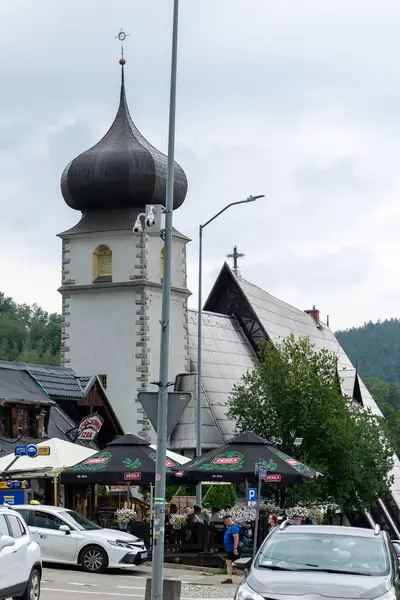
[[295, 99]]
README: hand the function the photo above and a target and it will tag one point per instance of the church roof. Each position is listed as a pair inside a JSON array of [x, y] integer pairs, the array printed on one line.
[[237, 314], [123, 170], [226, 357]]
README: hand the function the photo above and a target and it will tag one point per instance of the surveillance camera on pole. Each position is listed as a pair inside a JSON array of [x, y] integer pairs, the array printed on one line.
[[150, 219], [145, 221], [137, 228]]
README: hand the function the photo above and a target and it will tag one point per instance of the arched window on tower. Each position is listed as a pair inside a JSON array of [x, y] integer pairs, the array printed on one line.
[[162, 264], [102, 264]]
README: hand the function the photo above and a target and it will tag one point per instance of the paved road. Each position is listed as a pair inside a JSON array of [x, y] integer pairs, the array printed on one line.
[[72, 584]]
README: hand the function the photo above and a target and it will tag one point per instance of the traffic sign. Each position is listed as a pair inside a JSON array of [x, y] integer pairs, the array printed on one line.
[[262, 472], [177, 402], [251, 496]]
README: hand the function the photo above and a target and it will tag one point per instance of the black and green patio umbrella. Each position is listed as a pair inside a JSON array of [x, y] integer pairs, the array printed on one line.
[[235, 462], [127, 459]]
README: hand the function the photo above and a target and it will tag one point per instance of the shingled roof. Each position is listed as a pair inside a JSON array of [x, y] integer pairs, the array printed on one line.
[[59, 382], [261, 315], [226, 356]]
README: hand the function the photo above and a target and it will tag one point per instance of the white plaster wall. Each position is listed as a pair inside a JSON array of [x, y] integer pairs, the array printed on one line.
[[81, 249], [102, 339], [154, 247], [177, 343]]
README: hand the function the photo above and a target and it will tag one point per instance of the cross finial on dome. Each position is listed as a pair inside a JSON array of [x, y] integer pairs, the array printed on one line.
[[122, 37]]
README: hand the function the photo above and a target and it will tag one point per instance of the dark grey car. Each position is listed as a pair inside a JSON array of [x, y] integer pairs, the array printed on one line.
[[322, 561]]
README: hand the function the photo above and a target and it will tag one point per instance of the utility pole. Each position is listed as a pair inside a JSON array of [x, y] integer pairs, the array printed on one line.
[[163, 384]]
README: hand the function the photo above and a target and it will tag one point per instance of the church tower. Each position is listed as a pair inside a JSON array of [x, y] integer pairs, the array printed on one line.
[[111, 277]]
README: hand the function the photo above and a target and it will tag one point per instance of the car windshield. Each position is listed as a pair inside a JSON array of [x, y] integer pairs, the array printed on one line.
[[80, 522], [325, 552]]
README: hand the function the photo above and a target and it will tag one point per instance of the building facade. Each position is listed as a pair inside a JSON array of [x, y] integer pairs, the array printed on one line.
[[112, 277]]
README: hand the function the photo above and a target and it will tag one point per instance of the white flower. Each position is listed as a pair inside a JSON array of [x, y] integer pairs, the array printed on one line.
[[177, 521], [125, 515]]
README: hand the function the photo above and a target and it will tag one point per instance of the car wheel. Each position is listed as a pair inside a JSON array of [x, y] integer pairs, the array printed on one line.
[[93, 559], [32, 591]]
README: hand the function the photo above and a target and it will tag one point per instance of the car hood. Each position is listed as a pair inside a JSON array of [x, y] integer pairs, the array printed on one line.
[[113, 534], [278, 585]]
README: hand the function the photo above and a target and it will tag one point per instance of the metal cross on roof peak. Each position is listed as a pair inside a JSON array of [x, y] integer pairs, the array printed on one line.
[[122, 37], [235, 255]]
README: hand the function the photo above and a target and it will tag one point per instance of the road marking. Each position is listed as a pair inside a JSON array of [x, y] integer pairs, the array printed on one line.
[[129, 587], [83, 584], [84, 592]]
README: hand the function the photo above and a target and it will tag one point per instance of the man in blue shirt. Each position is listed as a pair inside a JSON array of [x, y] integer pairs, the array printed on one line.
[[231, 543]]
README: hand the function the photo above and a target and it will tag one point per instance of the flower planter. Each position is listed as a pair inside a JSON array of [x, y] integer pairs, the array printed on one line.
[[297, 520], [123, 526]]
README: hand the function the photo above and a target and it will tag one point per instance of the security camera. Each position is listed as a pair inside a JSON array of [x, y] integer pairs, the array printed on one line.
[[137, 228], [150, 220]]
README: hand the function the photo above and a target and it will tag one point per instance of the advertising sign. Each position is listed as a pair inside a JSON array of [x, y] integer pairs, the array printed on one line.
[[89, 427]]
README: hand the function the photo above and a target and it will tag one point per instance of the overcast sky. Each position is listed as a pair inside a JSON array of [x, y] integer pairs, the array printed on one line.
[[295, 99]]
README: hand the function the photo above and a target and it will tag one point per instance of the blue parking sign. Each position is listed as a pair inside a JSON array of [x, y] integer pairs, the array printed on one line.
[[252, 495]]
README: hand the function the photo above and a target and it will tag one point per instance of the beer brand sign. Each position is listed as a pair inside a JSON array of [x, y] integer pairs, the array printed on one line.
[[89, 427], [132, 476]]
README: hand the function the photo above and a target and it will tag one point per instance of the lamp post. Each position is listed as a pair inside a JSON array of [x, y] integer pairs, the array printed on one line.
[[199, 323], [162, 412]]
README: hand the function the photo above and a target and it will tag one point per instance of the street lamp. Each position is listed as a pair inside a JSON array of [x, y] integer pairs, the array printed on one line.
[[157, 583], [199, 319]]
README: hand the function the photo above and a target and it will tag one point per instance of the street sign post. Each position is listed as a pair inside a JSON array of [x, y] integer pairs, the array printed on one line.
[[177, 402], [252, 496], [261, 471]]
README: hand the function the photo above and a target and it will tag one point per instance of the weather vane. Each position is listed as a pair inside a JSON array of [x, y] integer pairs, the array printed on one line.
[[122, 37]]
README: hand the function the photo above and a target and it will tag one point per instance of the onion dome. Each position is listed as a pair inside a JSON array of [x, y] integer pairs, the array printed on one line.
[[121, 171]]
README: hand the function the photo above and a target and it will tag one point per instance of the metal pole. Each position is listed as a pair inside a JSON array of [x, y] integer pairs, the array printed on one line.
[[198, 382], [257, 513], [199, 323], [159, 500]]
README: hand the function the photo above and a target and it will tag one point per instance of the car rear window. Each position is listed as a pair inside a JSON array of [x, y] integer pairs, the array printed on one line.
[[3, 526], [26, 514], [325, 552], [17, 528]]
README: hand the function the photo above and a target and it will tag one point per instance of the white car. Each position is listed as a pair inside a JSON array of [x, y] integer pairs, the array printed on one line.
[[20, 558], [66, 537]]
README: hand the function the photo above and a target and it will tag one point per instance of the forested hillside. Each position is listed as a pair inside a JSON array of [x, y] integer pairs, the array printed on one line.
[[28, 333], [375, 347]]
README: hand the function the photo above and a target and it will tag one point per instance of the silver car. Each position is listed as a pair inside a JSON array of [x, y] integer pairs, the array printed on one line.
[[312, 562]]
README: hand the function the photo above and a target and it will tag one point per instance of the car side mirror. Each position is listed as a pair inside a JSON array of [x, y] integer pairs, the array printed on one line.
[[65, 528], [242, 564], [6, 542]]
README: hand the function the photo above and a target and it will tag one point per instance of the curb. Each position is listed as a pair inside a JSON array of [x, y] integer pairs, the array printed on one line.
[[210, 570]]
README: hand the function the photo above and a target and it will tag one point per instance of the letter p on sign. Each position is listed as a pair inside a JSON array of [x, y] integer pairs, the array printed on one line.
[[252, 496]]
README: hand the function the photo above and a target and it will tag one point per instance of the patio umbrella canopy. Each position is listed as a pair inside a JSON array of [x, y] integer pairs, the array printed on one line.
[[128, 459], [62, 455], [235, 462]]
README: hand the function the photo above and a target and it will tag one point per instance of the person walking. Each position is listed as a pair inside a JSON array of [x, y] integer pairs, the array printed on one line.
[[231, 543]]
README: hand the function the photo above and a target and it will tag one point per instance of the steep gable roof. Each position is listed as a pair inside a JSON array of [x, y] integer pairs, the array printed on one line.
[[226, 356]]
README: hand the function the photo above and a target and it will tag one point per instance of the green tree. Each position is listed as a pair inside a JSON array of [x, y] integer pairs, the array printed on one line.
[[28, 333], [219, 496], [383, 392], [375, 347], [294, 390]]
